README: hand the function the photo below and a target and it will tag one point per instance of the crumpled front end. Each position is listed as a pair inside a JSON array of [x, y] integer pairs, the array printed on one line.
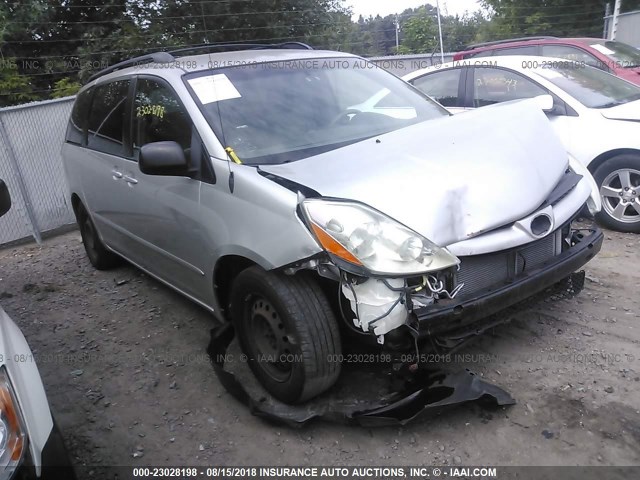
[[454, 304], [419, 222], [472, 279]]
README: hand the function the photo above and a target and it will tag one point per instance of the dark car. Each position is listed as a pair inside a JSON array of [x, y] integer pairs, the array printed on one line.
[[614, 57]]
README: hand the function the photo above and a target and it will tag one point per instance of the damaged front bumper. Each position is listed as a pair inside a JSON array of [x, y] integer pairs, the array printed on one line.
[[450, 306], [450, 315]]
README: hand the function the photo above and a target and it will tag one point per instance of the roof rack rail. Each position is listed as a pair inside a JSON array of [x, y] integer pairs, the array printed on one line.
[[158, 57], [241, 46], [170, 56], [508, 40]]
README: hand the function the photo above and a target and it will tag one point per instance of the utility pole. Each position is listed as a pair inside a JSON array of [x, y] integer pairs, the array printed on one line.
[[440, 31], [397, 33], [616, 12], [607, 20]]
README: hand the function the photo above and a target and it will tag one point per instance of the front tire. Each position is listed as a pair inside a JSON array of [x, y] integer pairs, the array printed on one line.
[[288, 331], [619, 182], [99, 256]]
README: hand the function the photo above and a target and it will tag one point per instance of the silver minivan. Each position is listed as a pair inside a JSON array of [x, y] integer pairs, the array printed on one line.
[[268, 185]]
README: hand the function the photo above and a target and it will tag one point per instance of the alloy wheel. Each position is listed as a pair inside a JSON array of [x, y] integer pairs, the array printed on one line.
[[620, 192]]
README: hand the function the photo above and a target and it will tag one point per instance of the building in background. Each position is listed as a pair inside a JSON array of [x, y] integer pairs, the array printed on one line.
[[622, 27]]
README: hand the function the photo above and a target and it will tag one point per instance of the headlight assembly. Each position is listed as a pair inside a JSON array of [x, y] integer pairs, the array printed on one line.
[[12, 429], [364, 237]]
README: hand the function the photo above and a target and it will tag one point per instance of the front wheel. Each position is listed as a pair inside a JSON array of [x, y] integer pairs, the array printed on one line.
[[619, 182], [288, 332]]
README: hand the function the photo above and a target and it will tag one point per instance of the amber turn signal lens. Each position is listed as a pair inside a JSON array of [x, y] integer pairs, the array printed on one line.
[[9, 417], [331, 245]]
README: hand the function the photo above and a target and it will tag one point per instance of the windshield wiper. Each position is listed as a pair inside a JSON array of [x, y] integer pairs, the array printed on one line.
[[611, 104], [620, 102]]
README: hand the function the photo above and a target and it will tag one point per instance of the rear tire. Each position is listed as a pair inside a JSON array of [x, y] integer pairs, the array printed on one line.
[[99, 256], [287, 329], [619, 181]]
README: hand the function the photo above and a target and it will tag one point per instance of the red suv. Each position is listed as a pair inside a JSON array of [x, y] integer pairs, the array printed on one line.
[[614, 57]]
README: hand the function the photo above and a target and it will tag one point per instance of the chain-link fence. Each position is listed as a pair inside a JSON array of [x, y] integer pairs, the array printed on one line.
[[31, 137]]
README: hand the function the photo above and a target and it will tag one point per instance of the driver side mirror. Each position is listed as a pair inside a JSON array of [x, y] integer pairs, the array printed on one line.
[[545, 103], [163, 158], [5, 198]]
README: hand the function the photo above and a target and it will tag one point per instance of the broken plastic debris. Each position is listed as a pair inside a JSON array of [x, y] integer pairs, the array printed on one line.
[[410, 393]]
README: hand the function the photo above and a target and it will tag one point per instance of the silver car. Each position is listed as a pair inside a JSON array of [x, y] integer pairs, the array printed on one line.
[[258, 183]]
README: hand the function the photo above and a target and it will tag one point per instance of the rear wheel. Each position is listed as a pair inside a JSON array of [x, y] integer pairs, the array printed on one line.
[[619, 182], [99, 256], [288, 331]]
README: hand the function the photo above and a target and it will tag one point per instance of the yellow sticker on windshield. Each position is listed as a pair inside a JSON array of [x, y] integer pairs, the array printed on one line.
[[152, 110]]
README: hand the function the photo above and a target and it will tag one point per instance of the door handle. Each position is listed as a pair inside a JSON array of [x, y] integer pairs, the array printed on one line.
[[130, 180], [116, 174]]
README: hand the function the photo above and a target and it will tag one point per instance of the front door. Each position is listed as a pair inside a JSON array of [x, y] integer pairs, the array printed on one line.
[[165, 217]]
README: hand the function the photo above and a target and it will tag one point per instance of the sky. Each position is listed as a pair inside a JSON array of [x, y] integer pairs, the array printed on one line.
[[387, 7]]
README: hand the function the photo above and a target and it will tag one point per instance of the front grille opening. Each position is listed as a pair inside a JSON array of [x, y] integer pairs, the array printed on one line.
[[481, 272]]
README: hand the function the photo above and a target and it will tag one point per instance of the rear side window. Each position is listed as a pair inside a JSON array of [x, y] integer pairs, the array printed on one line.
[[523, 50], [78, 119], [442, 86], [107, 117], [572, 53]]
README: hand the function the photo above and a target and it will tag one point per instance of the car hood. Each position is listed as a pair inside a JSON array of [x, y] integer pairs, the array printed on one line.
[[627, 111], [448, 179]]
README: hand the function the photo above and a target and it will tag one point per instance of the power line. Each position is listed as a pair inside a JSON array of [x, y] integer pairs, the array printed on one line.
[[381, 38], [162, 17], [189, 32], [264, 27]]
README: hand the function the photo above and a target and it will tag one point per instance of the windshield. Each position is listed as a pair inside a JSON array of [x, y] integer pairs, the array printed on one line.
[[279, 112], [623, 55], [590, 86]]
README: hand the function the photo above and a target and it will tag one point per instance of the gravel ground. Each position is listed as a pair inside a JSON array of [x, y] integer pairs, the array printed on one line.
[[123, 362]]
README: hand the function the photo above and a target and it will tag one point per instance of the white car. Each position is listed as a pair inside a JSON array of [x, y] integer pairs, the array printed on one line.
[[595, 114], [31, 446]]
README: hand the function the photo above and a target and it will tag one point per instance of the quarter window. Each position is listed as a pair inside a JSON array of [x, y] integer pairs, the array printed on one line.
[[493, 85], [78, 119], [159, 116], [107, 117], [527, 50], [442, 86]]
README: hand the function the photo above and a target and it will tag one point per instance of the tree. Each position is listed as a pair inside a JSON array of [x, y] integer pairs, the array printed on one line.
[[420, 32], [50, 45], [14, 87], [458, 32], [16, 62], [561, 18], [65, 88]]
